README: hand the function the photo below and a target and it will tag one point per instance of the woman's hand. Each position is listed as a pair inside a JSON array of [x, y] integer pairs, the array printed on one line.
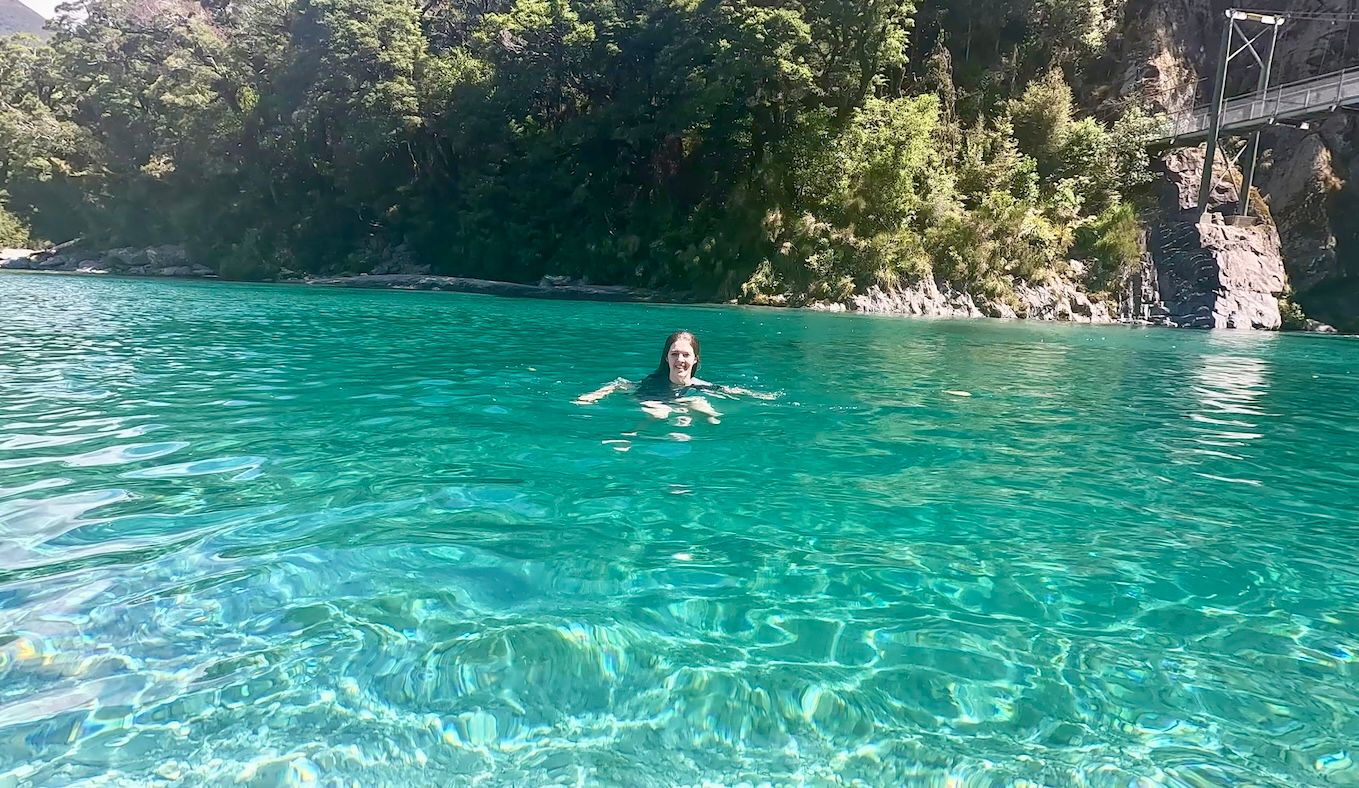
[[701, 405], [601, 392], [744, 392]]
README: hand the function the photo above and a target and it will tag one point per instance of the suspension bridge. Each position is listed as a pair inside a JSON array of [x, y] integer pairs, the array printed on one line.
[[1292, 104]]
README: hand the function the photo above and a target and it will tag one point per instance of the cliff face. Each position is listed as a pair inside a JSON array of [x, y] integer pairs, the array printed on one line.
[[15, 17], [1218, 272], [1309, 179], [1312, 186]]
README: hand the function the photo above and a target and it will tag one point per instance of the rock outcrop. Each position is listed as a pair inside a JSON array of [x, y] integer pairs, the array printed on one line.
[[1311, 181], [1214, 271], [15, 17], [7, 254], [1054, 299], [926, 298], [1300, 182], [1168, 51], [166, 260], [1212, 274]]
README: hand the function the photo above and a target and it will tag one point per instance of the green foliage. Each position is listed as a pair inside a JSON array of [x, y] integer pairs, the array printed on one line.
[[733, 147], [1042, 118], [1128, 146], [1067, 31], [13, 233], [990, 160], [1292, 317], [1000, 45], [1112, 242], [867, 190], [1003, 239]]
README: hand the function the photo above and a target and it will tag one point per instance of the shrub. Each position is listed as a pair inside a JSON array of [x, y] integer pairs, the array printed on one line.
[[1290, 313], [13, 233], [1112, 242]]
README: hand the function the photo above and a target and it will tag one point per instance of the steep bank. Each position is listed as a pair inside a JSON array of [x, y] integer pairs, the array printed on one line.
[[1222, 283], [15, 17], [1213, 271], [1308, 179]]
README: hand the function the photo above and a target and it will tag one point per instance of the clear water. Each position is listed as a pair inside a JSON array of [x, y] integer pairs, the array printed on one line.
[[281, 535]]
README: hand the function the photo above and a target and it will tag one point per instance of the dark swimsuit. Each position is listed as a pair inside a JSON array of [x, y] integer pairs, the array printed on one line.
[[659, 388]]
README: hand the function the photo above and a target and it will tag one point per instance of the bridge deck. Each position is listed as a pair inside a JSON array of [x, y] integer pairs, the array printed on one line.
[[1292, 102]]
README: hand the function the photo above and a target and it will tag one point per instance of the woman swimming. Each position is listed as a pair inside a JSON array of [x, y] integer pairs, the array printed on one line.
[[673, 386]]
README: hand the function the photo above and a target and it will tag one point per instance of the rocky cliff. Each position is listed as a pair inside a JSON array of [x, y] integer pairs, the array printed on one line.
[[1308, 179], [15, 17], [1215, 271]]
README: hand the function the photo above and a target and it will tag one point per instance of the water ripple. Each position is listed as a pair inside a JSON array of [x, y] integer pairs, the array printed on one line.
[[370, 540]]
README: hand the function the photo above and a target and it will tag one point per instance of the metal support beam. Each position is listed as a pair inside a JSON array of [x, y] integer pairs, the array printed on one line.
[[1248, 167], [1215, 121], [1225, 56]]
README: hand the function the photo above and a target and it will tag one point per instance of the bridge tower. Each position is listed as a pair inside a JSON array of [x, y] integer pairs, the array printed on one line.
[[1264, 26]]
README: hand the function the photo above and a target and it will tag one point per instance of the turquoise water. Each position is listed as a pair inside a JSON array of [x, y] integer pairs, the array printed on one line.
[[273, 535]]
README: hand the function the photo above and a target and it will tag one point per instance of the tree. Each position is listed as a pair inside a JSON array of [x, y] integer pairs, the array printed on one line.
[[700, 145]]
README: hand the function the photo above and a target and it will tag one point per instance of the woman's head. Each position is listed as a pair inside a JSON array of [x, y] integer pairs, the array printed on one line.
[[679, 358]]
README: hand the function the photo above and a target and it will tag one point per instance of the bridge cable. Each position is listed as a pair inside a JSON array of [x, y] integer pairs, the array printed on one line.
[[1309, 16]]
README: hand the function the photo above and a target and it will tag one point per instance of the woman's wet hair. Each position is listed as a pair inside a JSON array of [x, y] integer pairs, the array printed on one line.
[[664, 369]]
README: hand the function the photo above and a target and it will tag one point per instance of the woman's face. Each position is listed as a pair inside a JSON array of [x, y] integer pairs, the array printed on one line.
[[681, 359]]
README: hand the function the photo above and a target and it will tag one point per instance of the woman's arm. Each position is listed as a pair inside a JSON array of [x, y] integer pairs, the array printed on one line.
[[737, 391], [619, 384]]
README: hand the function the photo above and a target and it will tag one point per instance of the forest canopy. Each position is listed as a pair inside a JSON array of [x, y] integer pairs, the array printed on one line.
[[719, 147]]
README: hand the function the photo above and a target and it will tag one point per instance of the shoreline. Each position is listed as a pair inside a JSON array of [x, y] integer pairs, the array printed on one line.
[[561, 292], [462, 284], [905, 304], [414, 282]]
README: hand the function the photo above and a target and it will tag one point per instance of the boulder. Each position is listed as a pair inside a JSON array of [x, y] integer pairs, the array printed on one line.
[[926, 298], [1181, 171], [1299, 185], [1212, 274], [164, 260], [1081, 305], [1056, 298], [1059, 298], [16, 259]]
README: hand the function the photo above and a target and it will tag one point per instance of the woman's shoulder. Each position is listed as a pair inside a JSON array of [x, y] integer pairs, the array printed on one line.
[[701, 384]]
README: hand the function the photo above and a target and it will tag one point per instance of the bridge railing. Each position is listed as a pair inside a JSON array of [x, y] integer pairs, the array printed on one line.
[[1290, 99]]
